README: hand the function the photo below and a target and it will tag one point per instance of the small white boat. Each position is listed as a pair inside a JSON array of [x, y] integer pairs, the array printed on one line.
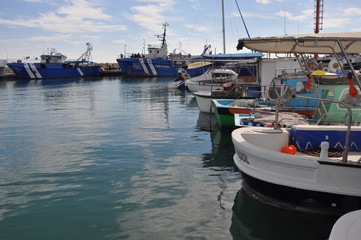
[[347, 227], [212, 79], [317, 166], [229, 91], [2, 66]]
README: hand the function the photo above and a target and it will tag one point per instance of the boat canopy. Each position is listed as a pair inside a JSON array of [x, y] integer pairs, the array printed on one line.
[[198, 65], [234, 55], [325, 43]]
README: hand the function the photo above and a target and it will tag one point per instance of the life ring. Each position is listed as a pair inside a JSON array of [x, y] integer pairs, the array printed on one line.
[[334, 66], [325, 69]]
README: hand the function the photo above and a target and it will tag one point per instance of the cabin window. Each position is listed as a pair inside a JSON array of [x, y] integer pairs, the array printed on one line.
[[353, 101], [301, 88]]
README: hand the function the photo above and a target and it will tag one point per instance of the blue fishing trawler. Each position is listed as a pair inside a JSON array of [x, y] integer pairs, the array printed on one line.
[[157, 63], [55, 65]]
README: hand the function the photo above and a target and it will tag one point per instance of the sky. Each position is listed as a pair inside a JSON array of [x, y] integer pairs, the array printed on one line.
[[114, 27]]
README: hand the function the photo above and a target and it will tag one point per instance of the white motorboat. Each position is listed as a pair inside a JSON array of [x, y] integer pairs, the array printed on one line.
[[212, 79], [228, 91], [347, 227], [317, 166]]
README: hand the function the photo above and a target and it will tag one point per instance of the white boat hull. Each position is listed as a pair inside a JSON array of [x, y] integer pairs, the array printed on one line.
[[258, 155], [204, 101], [197, 86], [2, 66]]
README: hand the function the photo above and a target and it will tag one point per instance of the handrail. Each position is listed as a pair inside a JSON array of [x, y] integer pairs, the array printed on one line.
[[347, 141]]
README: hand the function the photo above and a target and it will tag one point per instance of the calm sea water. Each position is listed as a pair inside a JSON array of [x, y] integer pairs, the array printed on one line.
[[117, 158]]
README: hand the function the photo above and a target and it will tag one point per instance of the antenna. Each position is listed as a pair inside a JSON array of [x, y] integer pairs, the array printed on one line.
[[318, 19], [162, 37], [318, 15], [284, 17]]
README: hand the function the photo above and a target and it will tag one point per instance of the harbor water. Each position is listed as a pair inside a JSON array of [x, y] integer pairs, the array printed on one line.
[[118, 158]]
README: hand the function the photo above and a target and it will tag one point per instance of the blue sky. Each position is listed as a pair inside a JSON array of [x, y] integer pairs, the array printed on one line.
[[30, 27]]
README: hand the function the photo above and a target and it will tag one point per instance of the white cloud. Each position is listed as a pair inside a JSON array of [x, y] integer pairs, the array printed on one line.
[[197, 28], [263, 1], [334, 22], [62, 37], [119, 41], [83, 9], [352, 11], [252, 15], [77, 16], [305, 15], [151, 16], [47, 38]]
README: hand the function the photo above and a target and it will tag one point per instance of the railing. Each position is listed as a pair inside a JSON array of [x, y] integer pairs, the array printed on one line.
[[349, 110]]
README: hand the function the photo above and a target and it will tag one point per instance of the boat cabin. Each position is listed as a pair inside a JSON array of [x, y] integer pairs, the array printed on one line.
[[53, 57], [157, 52], [330, 113]]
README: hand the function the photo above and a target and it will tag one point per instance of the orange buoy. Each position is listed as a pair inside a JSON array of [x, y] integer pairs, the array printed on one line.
[[289, 150]]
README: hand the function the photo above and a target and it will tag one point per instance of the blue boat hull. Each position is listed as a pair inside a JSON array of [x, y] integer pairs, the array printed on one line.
[[145, 67], [52, 70]]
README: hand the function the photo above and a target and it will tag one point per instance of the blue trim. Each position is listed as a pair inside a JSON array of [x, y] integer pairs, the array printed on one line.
[[52, 70], [163, 68]]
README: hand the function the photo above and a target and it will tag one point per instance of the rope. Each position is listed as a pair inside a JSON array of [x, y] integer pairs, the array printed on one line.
[[242, 19]]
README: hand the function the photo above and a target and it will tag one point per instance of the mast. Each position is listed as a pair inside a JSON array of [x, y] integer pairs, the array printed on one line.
[[223, 30], [162, 37], [318, 18], [318, 15]]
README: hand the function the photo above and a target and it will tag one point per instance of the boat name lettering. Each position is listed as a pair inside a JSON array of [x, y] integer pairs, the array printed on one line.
[[161, 66], [136, 66], [242, 157]]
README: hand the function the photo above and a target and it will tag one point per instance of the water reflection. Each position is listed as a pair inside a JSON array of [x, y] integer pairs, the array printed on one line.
[[222, 151], [252, 219], [112, 160], [206, 122], [53, 82]]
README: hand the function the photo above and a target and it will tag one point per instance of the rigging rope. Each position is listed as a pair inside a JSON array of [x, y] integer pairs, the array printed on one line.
[[242, 19]]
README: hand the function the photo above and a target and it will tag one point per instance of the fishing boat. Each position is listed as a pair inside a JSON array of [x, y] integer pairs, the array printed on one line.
[[55, 65], [229, 90], [210, 80], [225, 109], [2, 66], [157, 63], [220, 68], [313, 167]]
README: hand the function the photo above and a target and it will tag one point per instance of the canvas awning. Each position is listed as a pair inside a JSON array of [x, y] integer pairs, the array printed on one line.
[[198, 65], [305, 43]]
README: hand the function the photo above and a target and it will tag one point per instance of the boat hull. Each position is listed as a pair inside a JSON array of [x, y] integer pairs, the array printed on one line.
[[197, 87], [299, 200], [204, 98], [225, 113], [298, 172], [52, 70], [2, 66], [146, 67]]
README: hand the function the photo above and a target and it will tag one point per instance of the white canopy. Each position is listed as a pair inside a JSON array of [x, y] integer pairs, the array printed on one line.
[[305, 43], [198, 65]]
